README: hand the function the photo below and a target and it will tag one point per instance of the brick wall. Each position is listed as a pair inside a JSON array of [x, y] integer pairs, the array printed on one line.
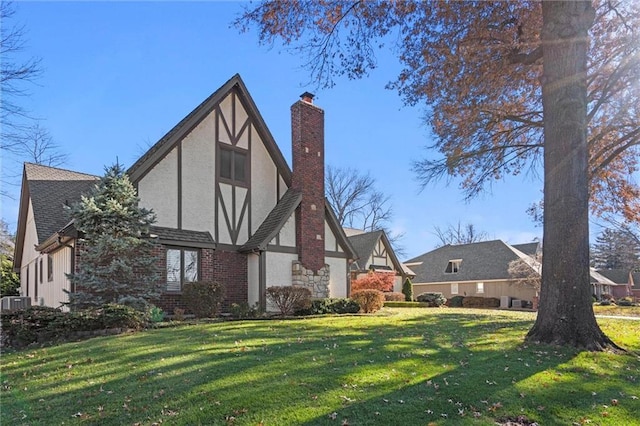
[[227, 268], [307, 136]]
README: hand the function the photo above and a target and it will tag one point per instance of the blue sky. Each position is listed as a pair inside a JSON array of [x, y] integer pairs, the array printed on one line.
[[118, 75]]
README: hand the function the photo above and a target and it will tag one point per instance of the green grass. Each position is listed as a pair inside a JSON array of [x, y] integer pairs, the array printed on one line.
[[401, 366]]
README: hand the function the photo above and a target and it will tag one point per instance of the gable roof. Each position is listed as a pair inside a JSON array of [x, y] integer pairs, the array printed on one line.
[[618, 276], [161, 148], [527, 248], [363, 245], [183, 237], [49, 189], [274, 221], [486, 260]]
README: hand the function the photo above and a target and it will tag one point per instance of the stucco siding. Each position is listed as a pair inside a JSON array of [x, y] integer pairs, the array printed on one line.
[[198, 177], [288, 232], [330, 243], [263, 182], [338, 279], [253, 278], [224, 237], [279, 268], [158, 190]]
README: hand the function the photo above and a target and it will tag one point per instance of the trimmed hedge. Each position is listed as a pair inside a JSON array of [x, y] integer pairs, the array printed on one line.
[[369, 300], [455, 301], [406, 305], [330, 306], [394, 297], [480, 302], [39, 324]]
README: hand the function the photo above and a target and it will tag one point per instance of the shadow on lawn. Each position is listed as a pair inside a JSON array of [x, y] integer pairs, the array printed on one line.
[[300, 372]]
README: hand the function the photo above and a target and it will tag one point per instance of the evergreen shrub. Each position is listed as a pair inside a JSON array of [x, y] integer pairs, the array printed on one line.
[[433, 300]]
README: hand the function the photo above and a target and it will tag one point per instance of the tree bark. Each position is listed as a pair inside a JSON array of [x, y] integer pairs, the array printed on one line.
[[565, 315]]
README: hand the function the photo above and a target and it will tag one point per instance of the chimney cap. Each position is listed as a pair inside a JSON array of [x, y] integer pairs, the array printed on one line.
[[307, 97]]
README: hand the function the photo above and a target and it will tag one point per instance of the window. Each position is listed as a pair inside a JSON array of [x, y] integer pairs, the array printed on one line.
[[453, 266], [454, 288], [233, 165], [49, 268], [41, 271], [27, 281], [182, 267], [479, 287]]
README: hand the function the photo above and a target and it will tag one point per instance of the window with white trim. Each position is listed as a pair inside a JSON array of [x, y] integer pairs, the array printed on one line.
[[183, 266], [479, 288], [454, 288], [453, 266]]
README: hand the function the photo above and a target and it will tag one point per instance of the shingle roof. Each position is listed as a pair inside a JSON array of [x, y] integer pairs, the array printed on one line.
[[486, 260], [52, 189], [363, 244], [49, 189], [618, 276], [183, 237], [527, 248], [274, 221]]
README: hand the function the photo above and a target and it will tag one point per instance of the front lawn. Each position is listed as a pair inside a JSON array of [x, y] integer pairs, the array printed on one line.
[[620, 311], [400, 366]]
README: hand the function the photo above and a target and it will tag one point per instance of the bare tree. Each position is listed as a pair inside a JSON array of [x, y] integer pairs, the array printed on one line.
[[38, 146], [358, 204], [526, 273], [459, 234], [14, 75]]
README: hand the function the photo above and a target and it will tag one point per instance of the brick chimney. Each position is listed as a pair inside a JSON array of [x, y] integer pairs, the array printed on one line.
[[307, 136]]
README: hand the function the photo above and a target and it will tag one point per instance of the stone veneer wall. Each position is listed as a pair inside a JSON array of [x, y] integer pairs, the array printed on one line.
[[317, 282]]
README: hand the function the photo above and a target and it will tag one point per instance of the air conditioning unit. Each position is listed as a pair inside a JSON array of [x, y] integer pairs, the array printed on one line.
[[14, 303]]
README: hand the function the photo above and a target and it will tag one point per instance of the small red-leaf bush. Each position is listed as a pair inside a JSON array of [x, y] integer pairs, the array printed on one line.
[[394, 297], [374, 281], [289, 299], [369, 300]]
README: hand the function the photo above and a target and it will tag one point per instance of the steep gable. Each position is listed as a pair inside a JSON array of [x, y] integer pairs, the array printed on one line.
[[48, 190]]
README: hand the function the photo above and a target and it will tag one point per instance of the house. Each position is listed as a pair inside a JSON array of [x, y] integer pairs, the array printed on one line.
[[482, 269], [624, 282], [229, 208], [374, 252]]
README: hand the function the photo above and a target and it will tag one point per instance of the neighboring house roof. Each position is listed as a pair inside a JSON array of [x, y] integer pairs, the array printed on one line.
[[49, 189], [273, 222], [528, 248], [635, 278], [183, 237], [486, 260], [618, 276], [364, 243]]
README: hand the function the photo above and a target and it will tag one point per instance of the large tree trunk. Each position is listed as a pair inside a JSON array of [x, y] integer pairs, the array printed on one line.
[[565, 315]]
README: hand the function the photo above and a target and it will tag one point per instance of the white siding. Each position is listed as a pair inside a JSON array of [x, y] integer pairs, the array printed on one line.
[[198, 177], [330, 243], [279, 268], [29, 254], [52, 292], [224, 236], [158, 190], [225, 109], [338, 280], [243, 226]]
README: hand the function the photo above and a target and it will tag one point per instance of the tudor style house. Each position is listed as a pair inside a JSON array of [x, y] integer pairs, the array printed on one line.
[[374, 252], [228, 208], [482, 269]]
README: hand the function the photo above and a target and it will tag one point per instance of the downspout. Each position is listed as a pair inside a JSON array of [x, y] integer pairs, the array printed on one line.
[[262, 280]]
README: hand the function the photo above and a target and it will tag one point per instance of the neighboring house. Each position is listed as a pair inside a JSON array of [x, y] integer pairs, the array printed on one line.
[[623, 279], [482, 269], [374, 253], [228, 208]]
